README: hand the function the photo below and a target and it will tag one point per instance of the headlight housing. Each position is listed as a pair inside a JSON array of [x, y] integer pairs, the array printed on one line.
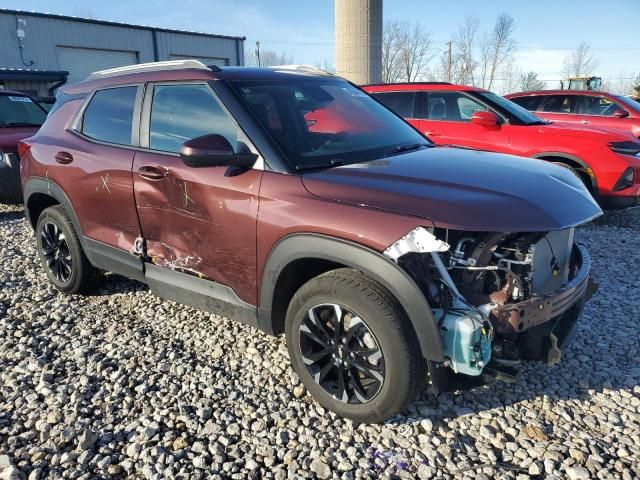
[[625, 148], [419, 240]]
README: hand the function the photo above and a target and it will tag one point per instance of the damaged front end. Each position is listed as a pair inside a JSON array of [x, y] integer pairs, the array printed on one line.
[[498, 298]]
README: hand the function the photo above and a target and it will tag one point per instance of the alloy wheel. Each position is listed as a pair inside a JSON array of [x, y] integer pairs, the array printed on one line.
[[341, 353], [55, 251]]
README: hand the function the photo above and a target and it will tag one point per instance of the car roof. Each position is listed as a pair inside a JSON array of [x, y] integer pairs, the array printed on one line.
[[399, 86], [558, 92], [190, 73]]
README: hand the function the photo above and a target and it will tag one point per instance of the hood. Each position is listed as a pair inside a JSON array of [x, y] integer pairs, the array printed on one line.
[[10, 136], [463, 190], [574, 130]]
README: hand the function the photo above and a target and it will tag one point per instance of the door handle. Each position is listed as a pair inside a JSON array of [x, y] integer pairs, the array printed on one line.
[[64, 158], [152, 173], [432, 134], [585, 122]]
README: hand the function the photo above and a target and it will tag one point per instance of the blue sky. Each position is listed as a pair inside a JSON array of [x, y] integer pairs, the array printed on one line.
[[546, 30]]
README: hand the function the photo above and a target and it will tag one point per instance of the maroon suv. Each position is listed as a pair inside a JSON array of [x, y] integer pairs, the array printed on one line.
[[384, 260], [20, 117]]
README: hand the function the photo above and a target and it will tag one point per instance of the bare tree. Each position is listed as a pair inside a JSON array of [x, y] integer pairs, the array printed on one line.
[[497, 46], [581, 62], [391, 68], [407, 49], [464, 45], [529, 81], [326, 66], [510, 74], [268, 58]]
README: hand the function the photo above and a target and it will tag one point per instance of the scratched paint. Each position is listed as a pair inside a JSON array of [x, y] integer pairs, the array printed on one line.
[[173, 260]]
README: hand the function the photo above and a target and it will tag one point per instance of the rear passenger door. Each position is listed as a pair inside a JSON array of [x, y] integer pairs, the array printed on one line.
[[197, 221], [562, 107], [98, 165]]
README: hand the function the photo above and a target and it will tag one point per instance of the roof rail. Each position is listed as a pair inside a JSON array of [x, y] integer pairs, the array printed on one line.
[[301, 68], [148, 67]]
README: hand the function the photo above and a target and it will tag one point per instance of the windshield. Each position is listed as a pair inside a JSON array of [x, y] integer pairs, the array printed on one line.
[[629, 102], [515, 111], [325, 122], [20, 110]]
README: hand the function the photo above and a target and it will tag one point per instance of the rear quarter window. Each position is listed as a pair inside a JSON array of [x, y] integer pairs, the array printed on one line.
[[109, 115]]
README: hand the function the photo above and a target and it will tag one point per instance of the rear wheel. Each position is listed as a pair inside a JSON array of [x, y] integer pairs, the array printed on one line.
[[61, 254], [353, 347]]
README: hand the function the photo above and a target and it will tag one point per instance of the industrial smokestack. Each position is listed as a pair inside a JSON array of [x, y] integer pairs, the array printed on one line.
[[359, 40]]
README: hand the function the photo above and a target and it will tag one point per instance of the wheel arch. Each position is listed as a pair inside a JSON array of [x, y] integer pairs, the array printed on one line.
[[572, 161], [40, 193], [322, 253]]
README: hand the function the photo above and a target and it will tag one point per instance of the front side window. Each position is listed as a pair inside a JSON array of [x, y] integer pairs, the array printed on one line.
[[20, 111], [109, 115], [594, 105], [325, 121], [182, 112], [452, 107], [400, 102]]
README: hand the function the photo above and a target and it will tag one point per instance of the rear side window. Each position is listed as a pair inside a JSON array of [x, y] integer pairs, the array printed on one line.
[[109, 115], [401, 103], [530, 103], [561, 104]]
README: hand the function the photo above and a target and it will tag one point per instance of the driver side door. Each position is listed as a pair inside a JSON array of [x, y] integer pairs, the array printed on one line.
[[198, 221]]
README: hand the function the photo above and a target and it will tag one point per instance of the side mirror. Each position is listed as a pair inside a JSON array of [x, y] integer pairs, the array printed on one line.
[[214, 151], [619, 113], [486, 119]]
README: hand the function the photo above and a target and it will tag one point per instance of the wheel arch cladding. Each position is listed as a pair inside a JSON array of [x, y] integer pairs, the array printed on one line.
[[40, 193], [572, 161], [326, 253]]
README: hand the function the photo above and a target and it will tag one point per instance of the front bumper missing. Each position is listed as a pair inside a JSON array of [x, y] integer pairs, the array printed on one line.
[[539, 309], [535, 329]]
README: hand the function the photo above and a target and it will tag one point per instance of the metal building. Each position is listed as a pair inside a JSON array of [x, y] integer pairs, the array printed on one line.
[[40, 51], [359, 40]]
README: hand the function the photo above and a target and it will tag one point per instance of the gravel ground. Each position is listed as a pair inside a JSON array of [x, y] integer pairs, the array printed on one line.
[[123, 384]]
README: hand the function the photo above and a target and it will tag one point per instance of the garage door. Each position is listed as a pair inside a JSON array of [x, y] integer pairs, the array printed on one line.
[[221, 62], [81, 62]]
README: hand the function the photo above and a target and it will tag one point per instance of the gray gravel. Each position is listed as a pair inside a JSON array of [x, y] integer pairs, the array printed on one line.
[[123, 384]]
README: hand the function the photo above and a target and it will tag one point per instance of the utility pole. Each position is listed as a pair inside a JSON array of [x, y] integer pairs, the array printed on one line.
[[449, 62], [258, 52]]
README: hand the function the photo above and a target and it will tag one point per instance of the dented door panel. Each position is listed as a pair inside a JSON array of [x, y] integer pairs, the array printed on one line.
[[200, 221]]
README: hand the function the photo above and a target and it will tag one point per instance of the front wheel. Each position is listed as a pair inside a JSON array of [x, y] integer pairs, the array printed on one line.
[[353, 346], [61, 254]]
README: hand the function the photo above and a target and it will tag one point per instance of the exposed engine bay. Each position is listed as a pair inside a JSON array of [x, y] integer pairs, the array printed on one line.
[[498, 297]]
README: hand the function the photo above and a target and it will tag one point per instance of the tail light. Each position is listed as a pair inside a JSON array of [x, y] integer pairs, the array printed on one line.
[[23, 149]]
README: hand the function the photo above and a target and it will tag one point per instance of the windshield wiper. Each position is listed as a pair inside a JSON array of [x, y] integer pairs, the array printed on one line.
[[398, 149], [20, 124], [334, 162]]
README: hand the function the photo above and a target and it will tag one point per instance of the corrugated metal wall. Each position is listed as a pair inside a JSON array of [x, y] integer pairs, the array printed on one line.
[[45, 34]]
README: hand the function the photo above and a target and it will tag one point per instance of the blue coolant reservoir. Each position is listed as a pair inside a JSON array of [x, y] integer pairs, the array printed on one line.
[[466, 343]]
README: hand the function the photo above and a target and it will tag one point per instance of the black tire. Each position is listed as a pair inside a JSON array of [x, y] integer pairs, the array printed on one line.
[[61, 254], [582, 177], [401, 363]]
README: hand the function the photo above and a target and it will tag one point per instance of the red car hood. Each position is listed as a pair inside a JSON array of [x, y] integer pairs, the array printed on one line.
[[10, 136], [586, 131]]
